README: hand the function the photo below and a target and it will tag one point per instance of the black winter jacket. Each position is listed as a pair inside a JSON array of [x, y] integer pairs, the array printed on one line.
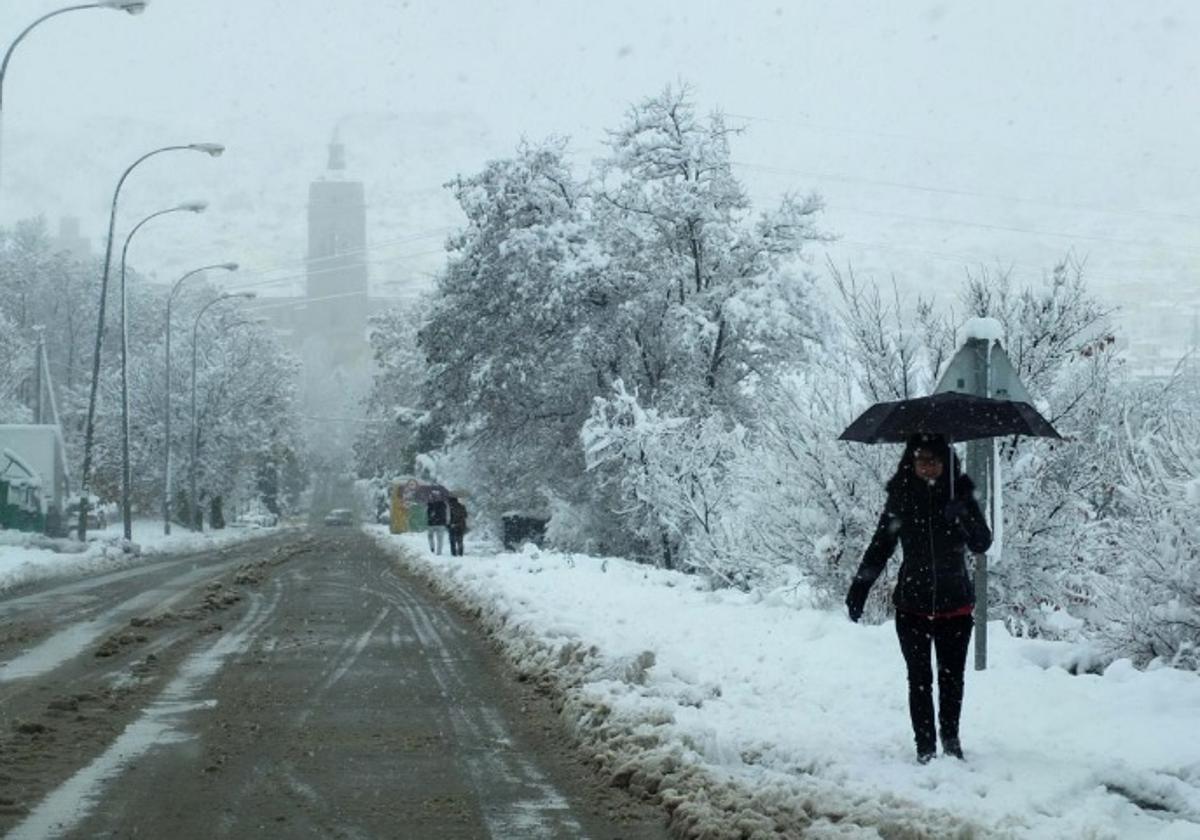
[[933, 576], [435, 513]]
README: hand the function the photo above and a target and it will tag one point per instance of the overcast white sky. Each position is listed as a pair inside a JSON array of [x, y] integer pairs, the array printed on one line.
[[941, 135]]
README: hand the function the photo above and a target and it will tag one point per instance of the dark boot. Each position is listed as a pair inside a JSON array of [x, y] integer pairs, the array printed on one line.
[[925, 757], [952, 747]]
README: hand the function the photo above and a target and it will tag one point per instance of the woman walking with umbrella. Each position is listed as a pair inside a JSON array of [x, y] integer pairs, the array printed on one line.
[[932, 512]]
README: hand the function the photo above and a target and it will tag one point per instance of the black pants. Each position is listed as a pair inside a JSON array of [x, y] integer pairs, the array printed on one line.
[[950, 637], [456, 540]]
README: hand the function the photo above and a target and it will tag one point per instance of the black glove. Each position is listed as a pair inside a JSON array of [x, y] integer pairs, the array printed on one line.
[[856, 598], [954, 510]]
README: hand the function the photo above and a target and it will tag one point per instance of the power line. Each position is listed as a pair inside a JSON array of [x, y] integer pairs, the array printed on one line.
[[842, 208], [238, 287], [1014, 229], [289, 264], [305, 301], [852, 179], [963, 259], [925, 140]]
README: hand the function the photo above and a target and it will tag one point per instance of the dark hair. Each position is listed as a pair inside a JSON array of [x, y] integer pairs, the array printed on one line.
[[905, 476]]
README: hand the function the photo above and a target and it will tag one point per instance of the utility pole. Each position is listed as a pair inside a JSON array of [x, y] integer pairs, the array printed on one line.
[[37, 378], [980, 466]]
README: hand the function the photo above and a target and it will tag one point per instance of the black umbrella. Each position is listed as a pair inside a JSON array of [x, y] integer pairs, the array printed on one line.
[[957, 416]]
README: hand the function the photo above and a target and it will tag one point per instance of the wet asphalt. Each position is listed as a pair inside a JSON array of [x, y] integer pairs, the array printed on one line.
[[335, 698]]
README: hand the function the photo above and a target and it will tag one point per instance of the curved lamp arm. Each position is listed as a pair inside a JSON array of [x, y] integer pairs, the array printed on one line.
[[133, 7]]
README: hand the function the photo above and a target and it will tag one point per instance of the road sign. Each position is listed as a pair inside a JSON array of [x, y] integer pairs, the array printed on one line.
[[967, 373]]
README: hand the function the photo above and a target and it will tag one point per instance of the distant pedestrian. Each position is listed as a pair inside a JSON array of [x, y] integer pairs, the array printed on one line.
[[437, 514], [934, 595], [458, 526]]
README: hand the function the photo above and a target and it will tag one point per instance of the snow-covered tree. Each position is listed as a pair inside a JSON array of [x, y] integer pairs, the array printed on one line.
[[651, 278], [16, 364], [1148, 602], [393, 434], [680, 493], [706, 305], [246, 414], [512, 363], [707, 296]]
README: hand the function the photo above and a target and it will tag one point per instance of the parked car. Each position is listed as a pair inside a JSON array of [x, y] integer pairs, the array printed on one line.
[[97, 517], [339, 516], [256, 520]]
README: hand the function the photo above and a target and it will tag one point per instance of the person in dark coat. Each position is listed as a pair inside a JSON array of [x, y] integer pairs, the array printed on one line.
[[436, 515], [934, 595], [458, 526]]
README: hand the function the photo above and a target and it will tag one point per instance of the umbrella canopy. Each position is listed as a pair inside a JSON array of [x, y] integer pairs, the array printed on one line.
[[430, 493], [957, 416]]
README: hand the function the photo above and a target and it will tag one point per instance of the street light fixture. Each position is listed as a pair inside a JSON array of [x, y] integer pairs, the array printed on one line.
[[89, 430], [197, 522], [227, 266], [133, 7], [126, 513]]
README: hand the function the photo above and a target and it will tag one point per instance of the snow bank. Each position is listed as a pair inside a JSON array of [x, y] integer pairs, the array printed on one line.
[[745, 717], [26, 558]]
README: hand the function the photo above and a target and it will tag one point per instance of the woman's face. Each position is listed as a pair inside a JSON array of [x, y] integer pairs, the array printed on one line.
[[927, 465]]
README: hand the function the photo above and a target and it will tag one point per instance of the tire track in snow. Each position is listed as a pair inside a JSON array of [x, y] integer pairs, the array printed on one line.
[[348, 655], [72, 640], [529, 806], [159, 724]]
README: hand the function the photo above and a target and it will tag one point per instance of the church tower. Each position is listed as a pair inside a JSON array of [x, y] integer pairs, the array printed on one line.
[[333, 330], [336, 282]]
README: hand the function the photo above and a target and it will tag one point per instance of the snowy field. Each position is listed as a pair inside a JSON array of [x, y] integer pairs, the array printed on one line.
[[27, 558], [744, 713]]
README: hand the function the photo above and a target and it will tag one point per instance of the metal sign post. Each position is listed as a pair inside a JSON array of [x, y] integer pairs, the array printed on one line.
[[981, 367]]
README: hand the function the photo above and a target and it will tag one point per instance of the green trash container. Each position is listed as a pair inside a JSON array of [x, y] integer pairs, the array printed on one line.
[[417, 517]]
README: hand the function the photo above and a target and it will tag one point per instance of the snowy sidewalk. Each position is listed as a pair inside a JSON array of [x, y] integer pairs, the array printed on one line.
[[743, 714], [26, 558]]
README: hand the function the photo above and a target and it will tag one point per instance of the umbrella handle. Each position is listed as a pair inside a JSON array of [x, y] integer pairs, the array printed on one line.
[[950, 466]]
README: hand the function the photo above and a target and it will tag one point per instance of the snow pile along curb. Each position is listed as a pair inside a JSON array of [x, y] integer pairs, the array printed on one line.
[[28, 558]]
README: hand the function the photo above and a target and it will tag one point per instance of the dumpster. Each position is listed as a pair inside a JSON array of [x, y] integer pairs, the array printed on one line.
[[519, 528]]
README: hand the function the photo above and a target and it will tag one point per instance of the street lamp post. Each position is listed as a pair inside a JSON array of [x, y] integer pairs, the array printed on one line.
[[133, 7], [213, 149], [197, 521], [126, 512], [229, 266]]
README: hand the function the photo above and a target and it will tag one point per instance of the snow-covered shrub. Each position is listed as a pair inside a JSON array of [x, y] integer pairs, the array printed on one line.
[[805, 501], [1151, 596]]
